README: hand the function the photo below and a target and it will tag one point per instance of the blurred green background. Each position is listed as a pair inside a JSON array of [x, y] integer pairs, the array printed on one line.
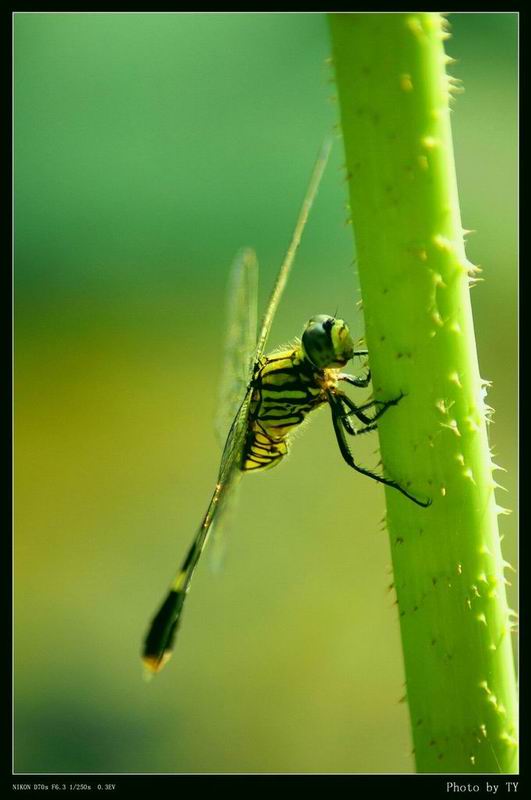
[[148, 149]]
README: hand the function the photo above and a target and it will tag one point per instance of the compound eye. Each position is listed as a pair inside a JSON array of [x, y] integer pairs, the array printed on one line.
[[317, 341]]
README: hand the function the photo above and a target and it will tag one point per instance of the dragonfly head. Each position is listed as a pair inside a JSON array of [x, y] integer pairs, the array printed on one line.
[[327, 342]]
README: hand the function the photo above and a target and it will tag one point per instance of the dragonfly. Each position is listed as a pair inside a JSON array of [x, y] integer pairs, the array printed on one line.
[[279, 391]]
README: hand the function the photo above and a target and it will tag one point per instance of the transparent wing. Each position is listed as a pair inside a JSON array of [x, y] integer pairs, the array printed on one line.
[[240, 339], [240, 346], [285, 268], [241, 353], [218, 548]]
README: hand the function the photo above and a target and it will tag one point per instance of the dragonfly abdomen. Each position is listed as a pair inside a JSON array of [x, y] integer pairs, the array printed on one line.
[[286, 389]]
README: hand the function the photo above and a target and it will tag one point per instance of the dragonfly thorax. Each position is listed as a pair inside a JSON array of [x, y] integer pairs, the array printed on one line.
[[326, 342]]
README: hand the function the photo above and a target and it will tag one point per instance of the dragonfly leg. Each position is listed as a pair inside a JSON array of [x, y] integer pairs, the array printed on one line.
[[357, 411], [361, 383], [337, 413], [347, 424]]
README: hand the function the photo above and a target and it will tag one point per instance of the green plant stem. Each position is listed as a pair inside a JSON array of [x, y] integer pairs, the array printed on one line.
[[448, 568]]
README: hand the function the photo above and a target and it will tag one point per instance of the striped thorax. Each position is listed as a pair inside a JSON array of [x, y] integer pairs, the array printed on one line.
[[288, 384]]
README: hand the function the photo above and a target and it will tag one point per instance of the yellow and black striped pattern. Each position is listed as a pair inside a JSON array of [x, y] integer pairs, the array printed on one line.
[[286, 387]]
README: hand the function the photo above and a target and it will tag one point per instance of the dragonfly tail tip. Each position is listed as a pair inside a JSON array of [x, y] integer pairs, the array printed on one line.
[[153, 664]]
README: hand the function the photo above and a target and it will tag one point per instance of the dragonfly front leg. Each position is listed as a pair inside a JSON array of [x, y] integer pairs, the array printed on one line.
[[360, 383], [337, 415]]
